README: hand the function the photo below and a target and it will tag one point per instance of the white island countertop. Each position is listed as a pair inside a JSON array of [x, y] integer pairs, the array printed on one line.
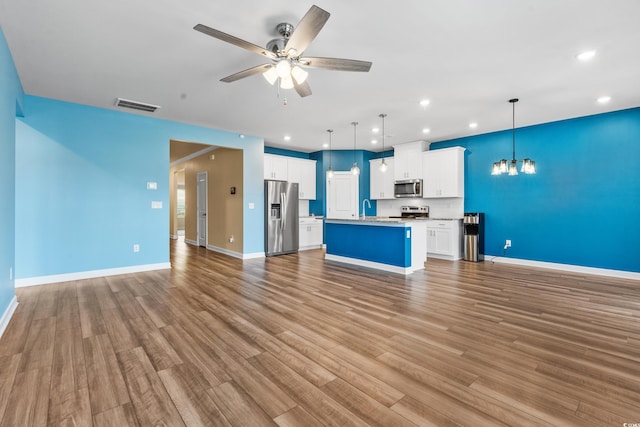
[[378, 220]]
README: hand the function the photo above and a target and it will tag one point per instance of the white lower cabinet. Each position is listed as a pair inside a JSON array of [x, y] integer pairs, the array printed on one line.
[[310, 233], [444, 239]]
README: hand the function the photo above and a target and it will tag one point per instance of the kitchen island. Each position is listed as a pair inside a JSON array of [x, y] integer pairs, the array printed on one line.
[[394, 245]]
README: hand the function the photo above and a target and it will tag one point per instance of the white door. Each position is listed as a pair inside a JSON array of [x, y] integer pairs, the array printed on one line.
[[342, 196], [202, 208]]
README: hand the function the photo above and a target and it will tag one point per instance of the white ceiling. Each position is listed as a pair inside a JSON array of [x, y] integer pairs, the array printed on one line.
[[468, 57]]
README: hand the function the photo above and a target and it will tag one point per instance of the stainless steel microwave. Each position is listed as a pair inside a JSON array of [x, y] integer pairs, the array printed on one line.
[[408, 188]]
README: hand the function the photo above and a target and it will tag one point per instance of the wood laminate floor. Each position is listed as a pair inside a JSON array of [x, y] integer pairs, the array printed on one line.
[[296, 341]]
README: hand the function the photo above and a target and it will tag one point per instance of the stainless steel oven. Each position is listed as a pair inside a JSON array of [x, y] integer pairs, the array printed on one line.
[[408, 188]]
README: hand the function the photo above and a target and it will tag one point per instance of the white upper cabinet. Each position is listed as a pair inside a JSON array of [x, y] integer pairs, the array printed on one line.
[[381, 183], [408, 160], [275, 167], [303, 172], [443, 172]]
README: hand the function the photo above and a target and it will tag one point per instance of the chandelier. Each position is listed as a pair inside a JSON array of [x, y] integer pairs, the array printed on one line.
[[511, 166]]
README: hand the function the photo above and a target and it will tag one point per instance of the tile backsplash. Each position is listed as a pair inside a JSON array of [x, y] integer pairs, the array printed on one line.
[[438, 208]]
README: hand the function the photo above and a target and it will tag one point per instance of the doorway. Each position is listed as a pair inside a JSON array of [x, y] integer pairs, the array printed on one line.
[[202, 181], [342, 196]]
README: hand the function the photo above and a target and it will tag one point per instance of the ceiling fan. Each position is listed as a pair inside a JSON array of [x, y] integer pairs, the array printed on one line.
[[287, 63]]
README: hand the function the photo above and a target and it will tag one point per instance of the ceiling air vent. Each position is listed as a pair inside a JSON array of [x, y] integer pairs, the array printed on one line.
[[134, 105]]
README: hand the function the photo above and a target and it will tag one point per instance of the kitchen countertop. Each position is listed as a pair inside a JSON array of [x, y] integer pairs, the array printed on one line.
[[375, 220]]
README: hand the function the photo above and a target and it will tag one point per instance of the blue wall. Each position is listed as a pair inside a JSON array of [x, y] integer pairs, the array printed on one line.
[[583, 205], [11, 100], [285, 152], [81, 197]]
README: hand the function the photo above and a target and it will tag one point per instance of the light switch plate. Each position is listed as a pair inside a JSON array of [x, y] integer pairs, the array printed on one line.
[[156, 205], [252, 205], [152, 185]]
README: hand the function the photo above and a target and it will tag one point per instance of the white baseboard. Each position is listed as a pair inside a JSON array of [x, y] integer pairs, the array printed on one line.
[[234, 253], [565, 267], [371, 264], [253, 255], [8, 313], [191, 242], [445, 257], [308, 248], [57, 278], [173, 236], [224, 251]]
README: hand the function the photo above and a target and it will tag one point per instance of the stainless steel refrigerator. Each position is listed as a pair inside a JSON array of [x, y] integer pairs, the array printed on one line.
[[281, 217]]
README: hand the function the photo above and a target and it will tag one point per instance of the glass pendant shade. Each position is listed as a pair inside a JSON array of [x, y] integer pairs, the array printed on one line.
[[355, 169], [495, 170], [383, 165], [271, 75], [513, 168], [286, 82], [298, 74], [503, 166], [283, 68], [330, 170], [528, 166]]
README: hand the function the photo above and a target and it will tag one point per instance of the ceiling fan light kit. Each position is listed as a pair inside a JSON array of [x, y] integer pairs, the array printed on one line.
[[285, 53], [511, 167]]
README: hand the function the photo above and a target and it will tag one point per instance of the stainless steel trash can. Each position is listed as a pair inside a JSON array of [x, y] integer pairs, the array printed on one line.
[[473, 236]]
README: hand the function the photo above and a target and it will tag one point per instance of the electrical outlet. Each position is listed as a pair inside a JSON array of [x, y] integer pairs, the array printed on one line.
[[507, 244], [136, 248], [231, 239]]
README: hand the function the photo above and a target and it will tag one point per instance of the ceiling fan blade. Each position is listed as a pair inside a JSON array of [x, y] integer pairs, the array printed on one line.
[[307, 29], [336, 64], [246, 73], [303, 88], [234, 40]]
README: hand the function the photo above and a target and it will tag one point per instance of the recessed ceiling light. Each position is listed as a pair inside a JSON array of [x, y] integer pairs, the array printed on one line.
[[426, 130], [325, 145], [424, 102], [375, 130], [586, 55], [473, 125], [374, 141], [604, 99], [287, 138]]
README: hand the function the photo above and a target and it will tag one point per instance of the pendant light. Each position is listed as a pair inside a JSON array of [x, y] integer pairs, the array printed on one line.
[[511, 167], [330, 170], [354, 169], [383, 165]]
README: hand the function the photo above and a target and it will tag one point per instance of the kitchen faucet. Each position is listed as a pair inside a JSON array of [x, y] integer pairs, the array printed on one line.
[[368, 203]]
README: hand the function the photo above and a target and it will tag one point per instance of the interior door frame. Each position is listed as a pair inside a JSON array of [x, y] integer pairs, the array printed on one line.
[[199, 204]]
